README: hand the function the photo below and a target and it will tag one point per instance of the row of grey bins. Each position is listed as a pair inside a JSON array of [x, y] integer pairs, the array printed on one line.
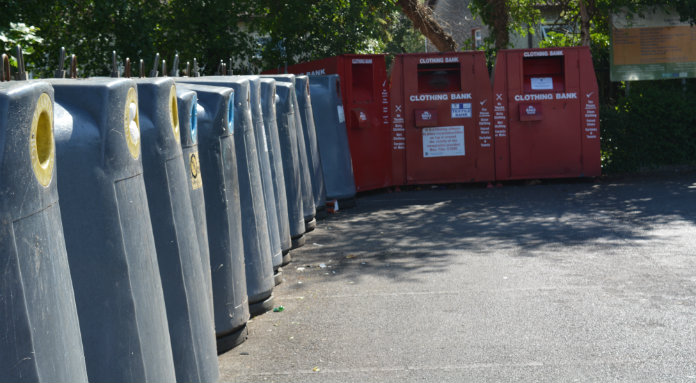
[[180, 200]]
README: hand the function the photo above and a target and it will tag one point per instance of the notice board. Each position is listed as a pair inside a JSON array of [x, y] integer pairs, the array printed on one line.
[[653, 45], [444, 141]]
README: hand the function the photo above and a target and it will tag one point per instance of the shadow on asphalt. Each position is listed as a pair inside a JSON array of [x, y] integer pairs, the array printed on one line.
[[402, 235]]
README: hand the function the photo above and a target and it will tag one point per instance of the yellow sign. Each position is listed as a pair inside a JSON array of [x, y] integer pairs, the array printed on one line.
[[657, 45], [653, 45]]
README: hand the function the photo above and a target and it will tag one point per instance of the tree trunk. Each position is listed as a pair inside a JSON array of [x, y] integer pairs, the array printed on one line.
[[422, 18], [584, 24], [500, 23]]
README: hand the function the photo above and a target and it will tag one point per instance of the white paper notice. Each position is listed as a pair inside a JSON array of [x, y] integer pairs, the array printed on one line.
[[446, 141], [542, 83], [341, 115]]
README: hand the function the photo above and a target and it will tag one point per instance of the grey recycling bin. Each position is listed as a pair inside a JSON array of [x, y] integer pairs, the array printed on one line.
[[39, 329], [309, 132], [268, 106], [188, 129], [308, 207], [262, 147], [166, 182], [220, 185], [108, 232], [287, 134], [333, 139], [257, 247]]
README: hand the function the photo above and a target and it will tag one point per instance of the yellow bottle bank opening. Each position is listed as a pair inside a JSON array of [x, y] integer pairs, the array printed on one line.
[[42, 147]]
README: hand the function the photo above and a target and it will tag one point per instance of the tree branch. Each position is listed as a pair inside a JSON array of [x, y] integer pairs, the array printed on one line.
[[423, 19]]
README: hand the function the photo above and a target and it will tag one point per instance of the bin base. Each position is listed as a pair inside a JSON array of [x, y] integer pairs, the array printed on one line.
[[310, 225], [278, 276], [232, 340], [287, 258], [297, 243], [259, 308]]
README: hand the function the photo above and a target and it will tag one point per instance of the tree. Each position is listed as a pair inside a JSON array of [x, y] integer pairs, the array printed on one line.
[[422, 18], [91, 30], [22, 35], [495, 14], [256, 33], [584, 23], [402, 36], [210, 31], [590, 16], [301, 30], [506, 16]]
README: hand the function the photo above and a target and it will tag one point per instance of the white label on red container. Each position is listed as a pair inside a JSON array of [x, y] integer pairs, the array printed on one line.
[[542, 83], [444, 141], [542, 53], [316, 72], [461, 110]]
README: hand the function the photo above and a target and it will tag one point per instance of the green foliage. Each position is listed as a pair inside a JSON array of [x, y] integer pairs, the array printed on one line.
[[302, 30], [210, 31], [23, 35], [207, 30], [521, 15], [256, 34], [91, 30], [654, 125], [524, 15], [402, 37], [19, 33]]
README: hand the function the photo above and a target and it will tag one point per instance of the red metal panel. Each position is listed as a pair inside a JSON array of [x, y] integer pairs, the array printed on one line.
[[425, 117], [454, 90], [500, 118], [589, 110], [358, 119], [328, 65], [365, 95], [365, 78], [552, 120], [531, 111], [398, 149]]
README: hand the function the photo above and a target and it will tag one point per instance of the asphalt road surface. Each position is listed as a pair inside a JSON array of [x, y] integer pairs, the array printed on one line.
[[558, 281]]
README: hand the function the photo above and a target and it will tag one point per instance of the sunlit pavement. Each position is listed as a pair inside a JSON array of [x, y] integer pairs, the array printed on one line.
[[558, 281]]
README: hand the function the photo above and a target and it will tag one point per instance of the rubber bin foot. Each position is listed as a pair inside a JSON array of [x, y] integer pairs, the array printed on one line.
[[287, 258], [259, 308], [232, 340], [297, 243], [311, 225], [321, 212], [278, 276]]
